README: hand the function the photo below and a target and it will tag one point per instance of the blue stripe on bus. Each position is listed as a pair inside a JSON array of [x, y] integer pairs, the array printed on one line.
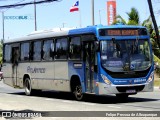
[[77, 71]]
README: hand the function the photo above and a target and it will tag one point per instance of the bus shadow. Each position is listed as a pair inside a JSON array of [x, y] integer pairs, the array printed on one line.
[[107, 99], [112, 99]]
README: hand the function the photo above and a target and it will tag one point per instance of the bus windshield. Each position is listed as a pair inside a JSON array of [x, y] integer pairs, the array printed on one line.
[[125, 55]]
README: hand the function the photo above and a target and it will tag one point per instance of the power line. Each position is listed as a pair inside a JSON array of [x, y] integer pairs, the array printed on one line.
[[24, 4]]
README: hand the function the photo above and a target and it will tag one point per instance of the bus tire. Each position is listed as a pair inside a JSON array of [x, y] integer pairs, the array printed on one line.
[[78, 92], [27, 86]]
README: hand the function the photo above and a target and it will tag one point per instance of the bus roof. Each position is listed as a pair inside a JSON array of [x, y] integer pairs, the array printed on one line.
[[64, 32]]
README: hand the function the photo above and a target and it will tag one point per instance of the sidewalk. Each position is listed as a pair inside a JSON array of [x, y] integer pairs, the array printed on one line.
[[157, 88]]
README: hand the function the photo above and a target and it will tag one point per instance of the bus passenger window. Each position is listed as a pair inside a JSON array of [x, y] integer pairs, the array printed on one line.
[[48, 50], [75, 48], [15, 55], [37, 51], [24, 51], [7, 53], [61, 48]]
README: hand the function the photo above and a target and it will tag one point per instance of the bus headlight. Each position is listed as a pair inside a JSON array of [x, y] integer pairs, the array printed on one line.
[[150, 77], [108, 82]]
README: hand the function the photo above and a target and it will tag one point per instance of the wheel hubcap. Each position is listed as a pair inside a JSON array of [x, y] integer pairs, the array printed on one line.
[[78, 92], [27, 87]]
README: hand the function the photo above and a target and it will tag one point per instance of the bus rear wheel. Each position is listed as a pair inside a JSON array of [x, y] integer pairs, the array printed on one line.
[[78, 92], [27, 86]]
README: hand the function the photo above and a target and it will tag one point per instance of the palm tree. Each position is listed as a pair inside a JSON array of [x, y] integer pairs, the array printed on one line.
[[133, 18], [148, 23], [119, 19]]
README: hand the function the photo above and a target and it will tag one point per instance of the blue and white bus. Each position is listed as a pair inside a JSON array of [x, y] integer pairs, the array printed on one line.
[[98, 60]]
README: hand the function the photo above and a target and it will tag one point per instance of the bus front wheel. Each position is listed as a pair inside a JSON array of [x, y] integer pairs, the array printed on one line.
[[78, 92], [27, 86]]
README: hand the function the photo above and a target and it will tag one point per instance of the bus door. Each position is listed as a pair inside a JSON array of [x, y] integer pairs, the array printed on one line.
[[15, 59], [89, 59]]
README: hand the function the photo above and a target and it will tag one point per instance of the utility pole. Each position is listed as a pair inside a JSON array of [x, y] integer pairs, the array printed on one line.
[[154, 21], [100, 15], [3, 24], [63, 24], [35, 16], [92, 12]]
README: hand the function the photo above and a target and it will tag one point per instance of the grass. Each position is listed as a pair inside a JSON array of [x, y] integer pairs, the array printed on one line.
[[156, 59], [157, 82], [156, 77]]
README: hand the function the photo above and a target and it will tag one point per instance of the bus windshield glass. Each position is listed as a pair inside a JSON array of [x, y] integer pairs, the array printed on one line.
[[126, 55]]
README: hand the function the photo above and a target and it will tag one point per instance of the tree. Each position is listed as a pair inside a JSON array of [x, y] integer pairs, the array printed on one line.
[[148, 24], [133, 18]]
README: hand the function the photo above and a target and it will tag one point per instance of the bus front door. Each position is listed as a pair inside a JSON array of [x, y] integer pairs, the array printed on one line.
[[15, 58], [89, 59]]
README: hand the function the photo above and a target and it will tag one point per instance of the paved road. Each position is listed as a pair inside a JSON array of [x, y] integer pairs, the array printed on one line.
[[15, 100]]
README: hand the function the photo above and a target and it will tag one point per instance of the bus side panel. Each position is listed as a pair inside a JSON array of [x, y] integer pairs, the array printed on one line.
[[61, 81], [22, 70], [45, 75], [39, 71], [77, 68], [7, 74]]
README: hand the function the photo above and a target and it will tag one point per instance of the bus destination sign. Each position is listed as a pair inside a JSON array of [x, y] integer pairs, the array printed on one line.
[[122, 32]]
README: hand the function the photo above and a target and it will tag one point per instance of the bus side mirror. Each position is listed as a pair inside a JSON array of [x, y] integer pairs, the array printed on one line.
[[97, 46]]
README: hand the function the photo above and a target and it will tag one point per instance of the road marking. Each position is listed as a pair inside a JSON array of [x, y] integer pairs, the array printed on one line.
[[32, 97], [7, 94], [12, 101], [139, 109], [143, 110], [49, 99], [66, 101], [114, 107], [20, 96], [88, 103], [148, 110]]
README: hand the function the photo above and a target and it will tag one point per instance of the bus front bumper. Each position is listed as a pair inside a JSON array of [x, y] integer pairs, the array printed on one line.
[[105, 89]]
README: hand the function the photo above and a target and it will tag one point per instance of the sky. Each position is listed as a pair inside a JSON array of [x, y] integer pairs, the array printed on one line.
[[57, 15]]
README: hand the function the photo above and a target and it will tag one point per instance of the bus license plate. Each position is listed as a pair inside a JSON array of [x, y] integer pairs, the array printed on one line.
[[131, 91]]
